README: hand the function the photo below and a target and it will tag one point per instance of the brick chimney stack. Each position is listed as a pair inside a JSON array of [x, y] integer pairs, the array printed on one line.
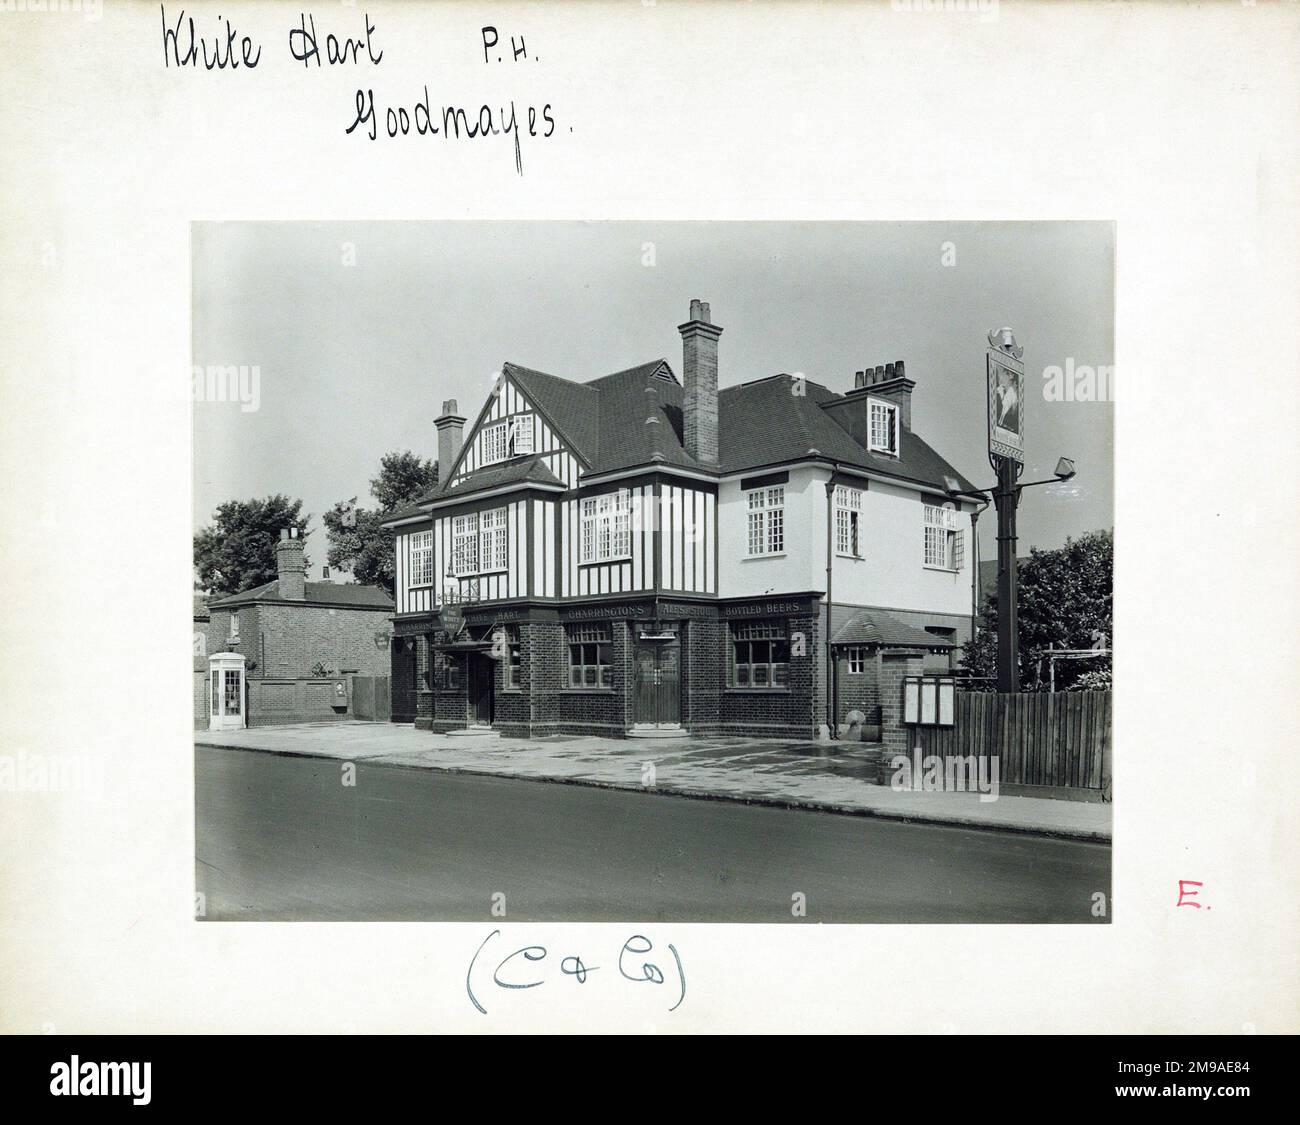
[[888, 381], [289, 566], [451, 435], [700, 383]]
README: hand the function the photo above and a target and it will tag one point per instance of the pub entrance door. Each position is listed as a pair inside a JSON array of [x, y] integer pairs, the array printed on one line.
[[656, 661], [482, 671], [403, 680]]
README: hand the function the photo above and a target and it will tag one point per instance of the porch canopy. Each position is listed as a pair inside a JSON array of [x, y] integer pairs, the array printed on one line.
[[871, 627], [464, 646]]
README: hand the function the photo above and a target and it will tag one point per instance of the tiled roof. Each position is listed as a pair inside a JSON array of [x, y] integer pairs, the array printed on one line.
[[641, 419], [766, 422], [532, 468], [200, 607], [573, 409], [606, 423], [329, 593], [871, 627]]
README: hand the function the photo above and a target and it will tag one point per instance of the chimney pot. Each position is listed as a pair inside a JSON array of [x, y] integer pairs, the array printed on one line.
[[284, 534], [889, 380]]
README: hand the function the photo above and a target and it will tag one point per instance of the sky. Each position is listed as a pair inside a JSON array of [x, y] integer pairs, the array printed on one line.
[[359, 331]]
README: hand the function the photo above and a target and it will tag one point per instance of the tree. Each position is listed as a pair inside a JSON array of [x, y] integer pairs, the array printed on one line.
[[1065, 602], [237, 552], [357, 542]]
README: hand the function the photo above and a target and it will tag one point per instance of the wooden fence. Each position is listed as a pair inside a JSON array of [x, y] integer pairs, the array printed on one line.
[[1042, 740]]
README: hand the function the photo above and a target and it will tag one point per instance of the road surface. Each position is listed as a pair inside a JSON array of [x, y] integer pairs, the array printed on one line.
[[284, 838]]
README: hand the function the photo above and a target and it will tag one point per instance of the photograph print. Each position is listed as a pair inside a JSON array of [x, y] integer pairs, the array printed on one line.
[[703, 572]]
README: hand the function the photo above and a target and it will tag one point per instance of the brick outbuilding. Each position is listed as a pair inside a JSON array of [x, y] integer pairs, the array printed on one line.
[[294, 629]]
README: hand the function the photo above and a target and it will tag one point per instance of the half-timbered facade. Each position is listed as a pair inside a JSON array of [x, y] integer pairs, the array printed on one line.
[[643, 555]]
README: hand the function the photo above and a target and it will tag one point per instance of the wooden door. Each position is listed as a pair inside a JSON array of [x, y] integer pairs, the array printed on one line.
[[669, 694], [403, 679], [481, 690], [657, 667], [644, 662]]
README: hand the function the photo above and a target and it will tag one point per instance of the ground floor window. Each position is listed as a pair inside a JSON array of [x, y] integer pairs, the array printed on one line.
[[505, 647], [760, 654], [445, 671], [591, 656], [857, 660]]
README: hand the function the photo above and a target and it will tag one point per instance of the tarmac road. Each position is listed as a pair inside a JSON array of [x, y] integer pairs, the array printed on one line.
[[283, 838]]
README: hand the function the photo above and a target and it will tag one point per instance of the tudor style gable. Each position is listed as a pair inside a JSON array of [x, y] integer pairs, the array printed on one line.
[[514, 424]]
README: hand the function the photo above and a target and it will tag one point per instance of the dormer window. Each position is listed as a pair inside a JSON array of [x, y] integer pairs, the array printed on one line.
[[883, 434]]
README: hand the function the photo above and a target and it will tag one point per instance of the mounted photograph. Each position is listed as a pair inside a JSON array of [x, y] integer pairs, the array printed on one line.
[[649, 571]]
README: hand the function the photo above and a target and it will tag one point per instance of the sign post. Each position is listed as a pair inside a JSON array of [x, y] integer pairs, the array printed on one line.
[[1006, 410]]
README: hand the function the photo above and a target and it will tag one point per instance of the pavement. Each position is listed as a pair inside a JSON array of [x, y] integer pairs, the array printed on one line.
[[284, 839], [837, 778]]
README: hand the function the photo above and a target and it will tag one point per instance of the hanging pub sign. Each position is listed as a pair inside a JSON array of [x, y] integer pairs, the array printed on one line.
[[1006, 392], [453, 618]]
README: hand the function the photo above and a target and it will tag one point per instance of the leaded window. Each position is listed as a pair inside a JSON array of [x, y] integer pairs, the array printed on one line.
[[760, 654], [591, 656], [766, 521]]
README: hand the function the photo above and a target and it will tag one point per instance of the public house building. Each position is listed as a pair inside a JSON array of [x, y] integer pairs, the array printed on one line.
[[643, 555]]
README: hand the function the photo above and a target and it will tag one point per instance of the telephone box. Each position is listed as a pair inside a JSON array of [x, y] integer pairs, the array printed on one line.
[[226, 691]]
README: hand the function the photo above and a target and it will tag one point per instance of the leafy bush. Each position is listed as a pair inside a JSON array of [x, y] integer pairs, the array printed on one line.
[[1065, 602]]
